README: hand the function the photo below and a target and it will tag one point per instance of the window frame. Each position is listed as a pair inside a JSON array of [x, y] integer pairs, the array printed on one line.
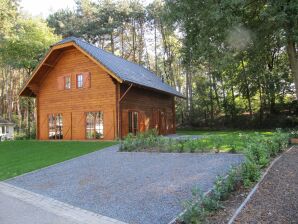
[[82, 81], [134, 130], [66, 87], [94, 125], [55, 115]]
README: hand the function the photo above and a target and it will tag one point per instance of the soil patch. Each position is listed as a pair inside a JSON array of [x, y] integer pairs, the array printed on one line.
[[276, 199]]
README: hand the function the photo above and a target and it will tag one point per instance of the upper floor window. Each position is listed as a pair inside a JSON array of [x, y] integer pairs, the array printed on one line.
[[80, 81], [67, 82]]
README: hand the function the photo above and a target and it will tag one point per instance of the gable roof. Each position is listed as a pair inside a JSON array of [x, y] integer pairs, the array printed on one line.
[[123, 69]]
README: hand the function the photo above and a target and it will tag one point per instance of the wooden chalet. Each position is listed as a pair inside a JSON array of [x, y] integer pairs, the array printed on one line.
[[83, 92]]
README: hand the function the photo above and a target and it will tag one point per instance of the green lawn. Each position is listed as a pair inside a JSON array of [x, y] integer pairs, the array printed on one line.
[[224, 138], [18, 157]]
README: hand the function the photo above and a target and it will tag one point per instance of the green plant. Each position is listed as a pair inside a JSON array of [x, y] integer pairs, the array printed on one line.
[[250, 173], [195, 212]]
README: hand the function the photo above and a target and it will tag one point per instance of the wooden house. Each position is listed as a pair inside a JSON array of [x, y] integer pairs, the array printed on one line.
[[83, 92], [6, 129]]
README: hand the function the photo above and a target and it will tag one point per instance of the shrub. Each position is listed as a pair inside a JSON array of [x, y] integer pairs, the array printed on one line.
[[250, 173], [195, 212], [259, 150]]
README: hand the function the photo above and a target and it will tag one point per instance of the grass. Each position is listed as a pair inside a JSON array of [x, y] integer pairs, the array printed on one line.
[[18, 157], [225, 138]]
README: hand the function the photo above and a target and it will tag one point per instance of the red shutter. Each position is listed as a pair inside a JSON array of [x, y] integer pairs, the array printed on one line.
[[60, 82], [87, 79]]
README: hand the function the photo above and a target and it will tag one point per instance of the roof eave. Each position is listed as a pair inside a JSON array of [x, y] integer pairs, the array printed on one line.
[[154, 89]]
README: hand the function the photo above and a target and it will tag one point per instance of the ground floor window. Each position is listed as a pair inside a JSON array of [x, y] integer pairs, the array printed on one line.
[[133, 122], [94, 125], [3, 130], [55, 126]]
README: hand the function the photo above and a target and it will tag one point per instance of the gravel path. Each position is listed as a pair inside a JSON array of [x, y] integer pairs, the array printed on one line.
[[276, 199], [133, 187]]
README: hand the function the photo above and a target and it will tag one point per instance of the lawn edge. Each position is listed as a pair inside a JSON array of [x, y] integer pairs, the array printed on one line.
[[37, 170], [254, 189]]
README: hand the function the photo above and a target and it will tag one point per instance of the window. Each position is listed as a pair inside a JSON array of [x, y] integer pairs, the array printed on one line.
[[67, 82], [3, 129], [133, 122], [94, 125], [80, 82], [55, 126]]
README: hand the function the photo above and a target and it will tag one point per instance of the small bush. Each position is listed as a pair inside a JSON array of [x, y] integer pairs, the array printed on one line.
[[195, 212], [250, 173], [259, 151]]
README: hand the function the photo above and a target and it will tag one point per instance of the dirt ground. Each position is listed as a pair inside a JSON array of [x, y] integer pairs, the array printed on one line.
[[276, 199]]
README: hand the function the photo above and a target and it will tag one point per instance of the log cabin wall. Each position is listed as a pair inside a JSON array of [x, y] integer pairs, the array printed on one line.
[[154, 108], [74, 103]]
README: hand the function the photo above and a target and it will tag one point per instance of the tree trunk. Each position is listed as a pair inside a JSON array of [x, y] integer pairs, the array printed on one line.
[[155, 46], [247, 89], [293, 59]]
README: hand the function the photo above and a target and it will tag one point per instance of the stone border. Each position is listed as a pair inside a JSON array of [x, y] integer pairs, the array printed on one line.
[[56, 207], [252, 192]]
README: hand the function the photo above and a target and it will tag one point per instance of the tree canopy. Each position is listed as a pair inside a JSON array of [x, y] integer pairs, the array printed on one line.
[[235, 61]]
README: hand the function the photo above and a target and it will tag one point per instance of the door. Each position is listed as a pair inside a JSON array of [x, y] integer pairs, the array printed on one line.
[[162, 123], [159, 121]]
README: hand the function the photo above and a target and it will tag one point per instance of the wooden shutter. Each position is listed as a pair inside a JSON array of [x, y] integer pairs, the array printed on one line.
[[86, 80], [142, 121], [60, 83], [124, 123]]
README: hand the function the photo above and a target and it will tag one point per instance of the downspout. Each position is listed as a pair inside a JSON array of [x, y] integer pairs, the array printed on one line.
[[119, 108]]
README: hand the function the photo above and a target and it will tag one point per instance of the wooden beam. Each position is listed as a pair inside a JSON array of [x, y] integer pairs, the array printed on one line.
[[125, 92], [46, 64]]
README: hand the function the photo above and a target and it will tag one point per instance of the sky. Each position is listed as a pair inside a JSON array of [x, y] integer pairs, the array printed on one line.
[[45, 7]]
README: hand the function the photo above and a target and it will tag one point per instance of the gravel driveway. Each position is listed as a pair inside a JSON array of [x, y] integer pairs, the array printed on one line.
[[134, 187]]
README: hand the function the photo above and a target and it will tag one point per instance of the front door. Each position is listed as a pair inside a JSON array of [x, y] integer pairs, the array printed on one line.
[[159, 121]]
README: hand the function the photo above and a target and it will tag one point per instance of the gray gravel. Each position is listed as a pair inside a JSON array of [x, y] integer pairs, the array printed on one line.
[[134, 187]]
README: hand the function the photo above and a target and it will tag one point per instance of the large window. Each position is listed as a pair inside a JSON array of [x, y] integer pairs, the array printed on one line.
[[133, 122], [67, 82], [94, 125], [3, 131], [80, 82], [55, 126]]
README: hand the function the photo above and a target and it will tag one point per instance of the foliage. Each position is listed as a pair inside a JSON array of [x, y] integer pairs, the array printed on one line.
[[212, 141], [238, 54], [18, 157], [247, 173], [23, 42]]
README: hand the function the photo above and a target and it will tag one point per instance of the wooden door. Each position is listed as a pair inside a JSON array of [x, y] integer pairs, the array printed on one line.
[[67, 126], [162, 122], [155, 119]]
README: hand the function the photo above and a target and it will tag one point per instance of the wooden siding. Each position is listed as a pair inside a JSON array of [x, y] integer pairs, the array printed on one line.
[[74, 103], [150, 105]]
